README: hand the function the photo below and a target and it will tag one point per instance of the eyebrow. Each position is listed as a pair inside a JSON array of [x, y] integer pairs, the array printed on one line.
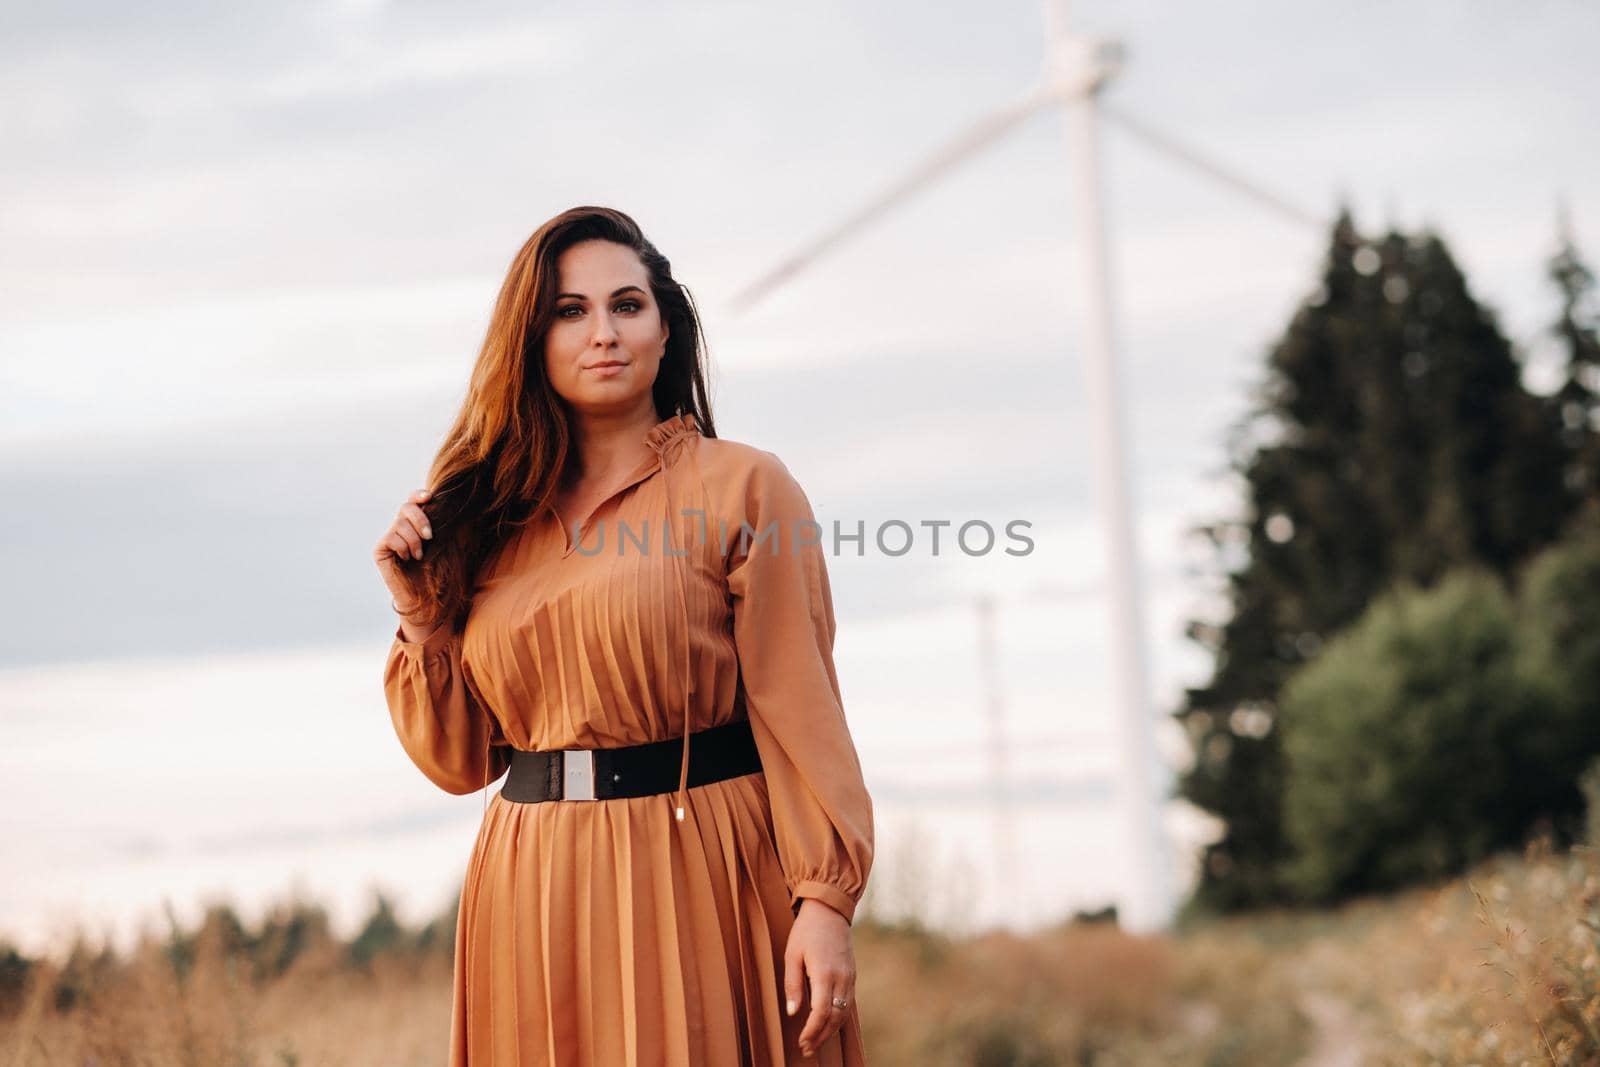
[[619, 292]]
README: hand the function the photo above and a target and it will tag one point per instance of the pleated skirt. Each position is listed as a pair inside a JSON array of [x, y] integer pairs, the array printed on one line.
[[607, 933]]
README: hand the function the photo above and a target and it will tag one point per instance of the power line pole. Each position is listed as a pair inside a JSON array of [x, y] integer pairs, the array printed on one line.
[[1006, 879]]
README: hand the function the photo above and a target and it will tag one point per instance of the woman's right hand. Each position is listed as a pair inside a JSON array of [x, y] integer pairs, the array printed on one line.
[[403, 540]]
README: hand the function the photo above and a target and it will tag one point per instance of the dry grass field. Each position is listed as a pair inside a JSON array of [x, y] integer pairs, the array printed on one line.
[[1501, 966]]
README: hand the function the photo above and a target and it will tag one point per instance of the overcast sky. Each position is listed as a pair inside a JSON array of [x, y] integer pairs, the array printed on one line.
[[248, 253]]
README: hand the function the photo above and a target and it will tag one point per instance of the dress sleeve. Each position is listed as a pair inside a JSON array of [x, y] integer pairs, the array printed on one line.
[[783, 626], [438, 715]]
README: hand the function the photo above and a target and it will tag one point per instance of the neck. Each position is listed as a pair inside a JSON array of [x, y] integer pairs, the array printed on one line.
[[610, 445]]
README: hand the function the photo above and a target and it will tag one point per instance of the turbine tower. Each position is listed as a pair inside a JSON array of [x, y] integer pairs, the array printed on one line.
[[1077, 68]]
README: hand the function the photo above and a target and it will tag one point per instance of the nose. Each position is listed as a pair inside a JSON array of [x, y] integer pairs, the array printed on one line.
[[604, 333]]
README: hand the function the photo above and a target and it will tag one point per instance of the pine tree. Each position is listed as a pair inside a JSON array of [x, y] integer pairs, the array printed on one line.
[[1391, 439], [1578, 400]]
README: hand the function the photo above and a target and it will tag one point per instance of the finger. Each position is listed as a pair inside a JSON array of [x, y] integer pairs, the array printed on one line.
[[411, 513], [419, 519], [793, 982], [835, 1015], [811, 1036], [845, 990], [414, 528], [817, 1021], [390, 546], [403, 545], [410, 536]]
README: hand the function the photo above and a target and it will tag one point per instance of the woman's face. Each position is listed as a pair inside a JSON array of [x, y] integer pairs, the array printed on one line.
[[605, 344]]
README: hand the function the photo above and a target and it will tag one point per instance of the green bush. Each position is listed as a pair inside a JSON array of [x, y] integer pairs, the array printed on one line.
[[1589, 784], [1417, 743], [1560, 608]]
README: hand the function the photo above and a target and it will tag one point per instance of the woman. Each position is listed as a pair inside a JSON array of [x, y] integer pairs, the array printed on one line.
[[592, 570]]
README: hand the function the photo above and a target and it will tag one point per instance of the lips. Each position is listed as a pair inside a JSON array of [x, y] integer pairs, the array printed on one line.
[[607, 363]]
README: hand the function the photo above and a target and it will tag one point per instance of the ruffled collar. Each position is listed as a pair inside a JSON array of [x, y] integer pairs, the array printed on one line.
[[669, 430]]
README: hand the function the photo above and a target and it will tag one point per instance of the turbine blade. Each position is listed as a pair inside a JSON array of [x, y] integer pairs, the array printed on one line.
[[1171, 146], [968, 143]]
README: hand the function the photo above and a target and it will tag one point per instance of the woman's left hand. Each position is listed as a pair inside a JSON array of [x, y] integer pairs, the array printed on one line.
[[819, 955]]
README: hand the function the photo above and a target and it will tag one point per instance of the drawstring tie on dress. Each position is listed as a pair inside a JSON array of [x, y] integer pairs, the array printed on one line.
[[675, 429]]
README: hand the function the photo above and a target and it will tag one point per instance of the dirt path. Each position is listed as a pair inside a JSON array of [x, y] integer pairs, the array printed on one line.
[[1337, 1041]]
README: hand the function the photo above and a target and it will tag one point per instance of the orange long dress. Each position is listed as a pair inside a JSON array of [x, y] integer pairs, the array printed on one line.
[[611, 932]]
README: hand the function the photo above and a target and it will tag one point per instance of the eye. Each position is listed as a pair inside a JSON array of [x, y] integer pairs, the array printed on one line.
[[570, 307], [632, 304]]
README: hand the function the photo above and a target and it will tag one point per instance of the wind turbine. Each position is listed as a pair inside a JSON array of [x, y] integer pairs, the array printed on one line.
[[1077, 68]]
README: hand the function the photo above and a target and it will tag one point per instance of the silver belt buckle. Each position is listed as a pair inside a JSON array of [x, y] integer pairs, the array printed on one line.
[[577, 774]]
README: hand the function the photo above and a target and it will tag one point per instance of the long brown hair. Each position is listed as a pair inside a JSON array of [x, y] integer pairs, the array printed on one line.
[[502, 460]]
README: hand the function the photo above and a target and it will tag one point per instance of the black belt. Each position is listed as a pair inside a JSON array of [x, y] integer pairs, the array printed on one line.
[[725, 751]]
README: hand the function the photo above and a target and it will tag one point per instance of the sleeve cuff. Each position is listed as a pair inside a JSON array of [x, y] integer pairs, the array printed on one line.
[[428, 645], [831, 895]]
